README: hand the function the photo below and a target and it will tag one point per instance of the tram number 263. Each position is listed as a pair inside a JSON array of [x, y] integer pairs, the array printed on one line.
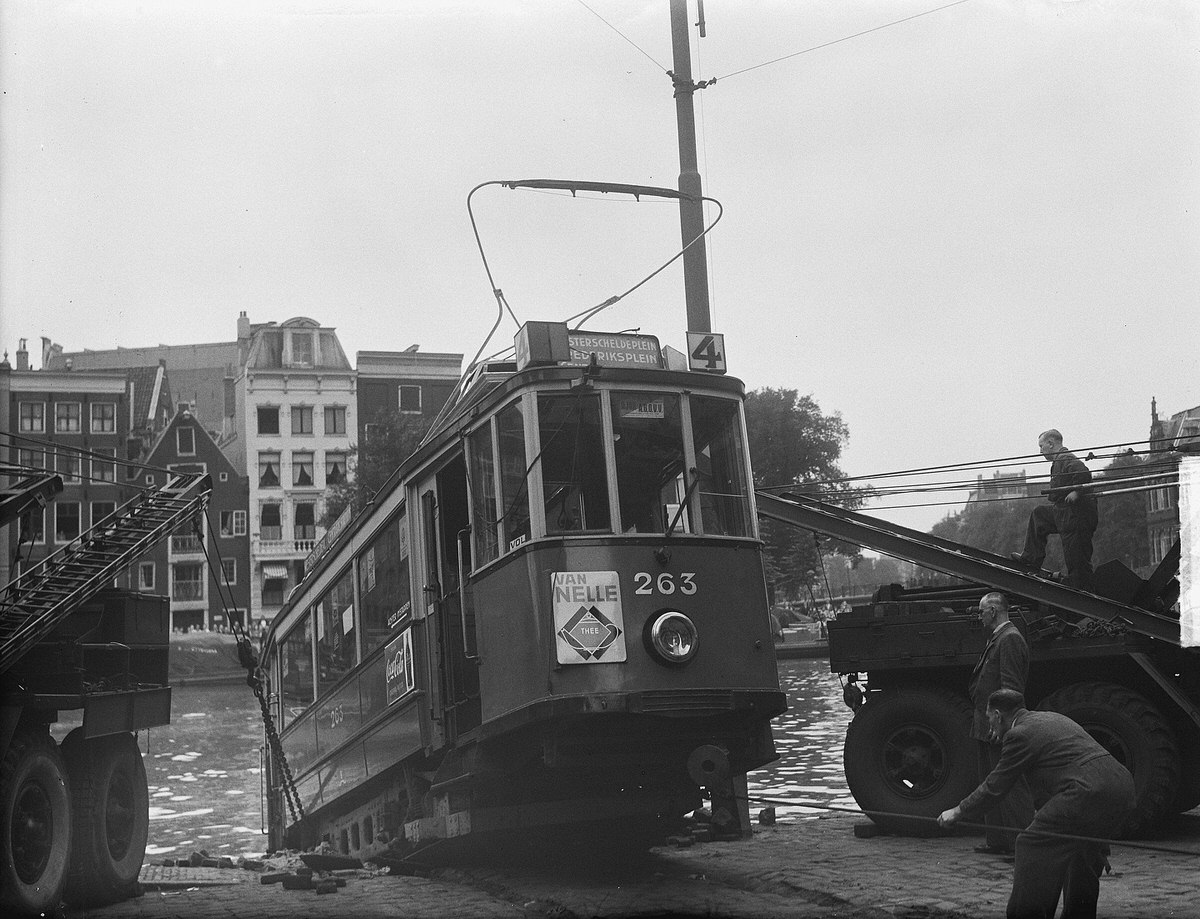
[[665, 583]]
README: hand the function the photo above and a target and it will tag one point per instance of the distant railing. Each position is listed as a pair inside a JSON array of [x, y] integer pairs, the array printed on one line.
[[282, 547], [187, 590], [184, 544]]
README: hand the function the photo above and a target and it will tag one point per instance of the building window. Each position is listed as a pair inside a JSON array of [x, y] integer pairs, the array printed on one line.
[[187, 581], [31, 461], [223, 477], [302, 349], [32, 417], [302, 419], [268, 419], [104, 470], [66, 520], [69, 466], [149, 480], [104, 417], [335, 419], [306, 520], [410, 399], [146, 576], [270, 525], [185, 440], [233, 523], [268, 470], [302, 469], [101, 509], [66, 418], [33, 526], [229, 570], [335, 468]]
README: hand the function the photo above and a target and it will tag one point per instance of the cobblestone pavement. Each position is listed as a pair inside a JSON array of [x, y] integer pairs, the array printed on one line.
[[808, 868]]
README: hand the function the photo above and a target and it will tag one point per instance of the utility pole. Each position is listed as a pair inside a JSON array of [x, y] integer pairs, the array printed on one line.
[[691, 209]]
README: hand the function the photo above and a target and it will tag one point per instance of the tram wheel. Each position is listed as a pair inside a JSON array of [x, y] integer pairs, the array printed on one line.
[[908, 757], [35, 824], [112, 817], [1133, 730]]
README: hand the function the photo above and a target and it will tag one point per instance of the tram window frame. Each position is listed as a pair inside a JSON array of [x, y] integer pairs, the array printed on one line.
[[515, 520], [382, 587], [575, 491], [630, 476], [724, 506], [289, 714], [484, 488], [336, 646]]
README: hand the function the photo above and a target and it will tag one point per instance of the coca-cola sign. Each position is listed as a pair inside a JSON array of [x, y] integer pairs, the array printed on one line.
[[398, 666]]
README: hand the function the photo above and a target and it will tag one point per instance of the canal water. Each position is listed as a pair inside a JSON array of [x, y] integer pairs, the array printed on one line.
[[204, 770]]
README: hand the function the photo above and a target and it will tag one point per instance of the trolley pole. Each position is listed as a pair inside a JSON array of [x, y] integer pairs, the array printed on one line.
[[691, 210]]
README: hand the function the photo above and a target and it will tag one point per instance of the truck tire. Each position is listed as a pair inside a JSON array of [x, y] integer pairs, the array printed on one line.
[[35, 824], [1132, 729], [111, 804], [907, 755]]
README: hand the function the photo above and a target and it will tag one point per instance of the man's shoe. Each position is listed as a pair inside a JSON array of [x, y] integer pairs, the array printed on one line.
[[985, 849], [1022, 562]]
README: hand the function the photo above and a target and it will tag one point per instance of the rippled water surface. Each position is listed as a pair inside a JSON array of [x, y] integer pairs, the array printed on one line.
[[203, 768], [808, 738]]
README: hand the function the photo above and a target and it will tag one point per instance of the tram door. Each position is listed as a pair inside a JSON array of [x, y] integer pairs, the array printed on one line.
[[444, 519]]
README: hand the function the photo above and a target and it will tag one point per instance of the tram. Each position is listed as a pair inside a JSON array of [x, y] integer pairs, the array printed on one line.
[[554, 617]]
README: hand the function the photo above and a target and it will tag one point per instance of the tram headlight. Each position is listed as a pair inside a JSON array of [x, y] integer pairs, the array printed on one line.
[[672, 637]]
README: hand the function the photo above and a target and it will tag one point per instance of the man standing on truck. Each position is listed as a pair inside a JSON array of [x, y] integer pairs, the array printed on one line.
[[1004, 664], [1071, 513], [1080, 791]]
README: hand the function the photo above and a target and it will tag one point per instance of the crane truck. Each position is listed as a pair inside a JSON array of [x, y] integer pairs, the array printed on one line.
[[1110, 658], [74, 815]]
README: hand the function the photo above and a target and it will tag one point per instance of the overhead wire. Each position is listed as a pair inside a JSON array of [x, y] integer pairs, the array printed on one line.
[[634, 44], [838, 41]]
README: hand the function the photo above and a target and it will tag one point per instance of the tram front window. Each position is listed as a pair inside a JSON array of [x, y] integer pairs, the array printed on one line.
[[723, 489], [574, 484], [648, 445], [514, 489]]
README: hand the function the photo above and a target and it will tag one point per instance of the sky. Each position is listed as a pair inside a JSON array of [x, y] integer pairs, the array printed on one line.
[[953, 224]]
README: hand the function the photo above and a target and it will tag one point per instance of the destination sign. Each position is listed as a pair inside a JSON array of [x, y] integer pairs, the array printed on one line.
[[614, 350]]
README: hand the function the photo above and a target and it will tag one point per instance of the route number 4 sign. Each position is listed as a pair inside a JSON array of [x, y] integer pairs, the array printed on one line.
[[706, 352]]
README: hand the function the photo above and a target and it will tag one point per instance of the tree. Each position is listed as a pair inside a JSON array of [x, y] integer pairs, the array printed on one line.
[[1122, 533], [792, 443], [392, 437]]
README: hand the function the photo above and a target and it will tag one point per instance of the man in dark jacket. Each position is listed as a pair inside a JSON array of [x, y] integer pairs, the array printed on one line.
[[1079, 790], [1071, 513], [1004, 664]]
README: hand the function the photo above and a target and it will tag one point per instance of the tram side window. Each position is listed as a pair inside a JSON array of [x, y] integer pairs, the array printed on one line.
[[483, 496], [723, 490], [648, 445], [574, 481], [514, 489], [384, 589], [296, 678], [335, 632]]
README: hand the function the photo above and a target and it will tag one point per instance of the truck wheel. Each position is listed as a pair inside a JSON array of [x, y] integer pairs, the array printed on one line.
[[907, 755], [35, 824], [112, 817], [1132, 729]]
